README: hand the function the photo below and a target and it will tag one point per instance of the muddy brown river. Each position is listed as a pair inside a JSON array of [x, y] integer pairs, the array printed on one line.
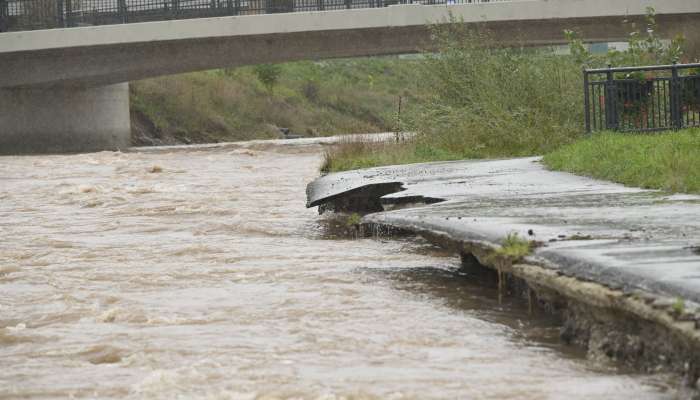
[[199, 273]]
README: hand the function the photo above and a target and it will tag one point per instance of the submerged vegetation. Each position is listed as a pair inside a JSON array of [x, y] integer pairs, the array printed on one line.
[[669, 161]]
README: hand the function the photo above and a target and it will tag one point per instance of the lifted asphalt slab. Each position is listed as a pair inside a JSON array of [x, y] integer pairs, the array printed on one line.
[[625, 238]]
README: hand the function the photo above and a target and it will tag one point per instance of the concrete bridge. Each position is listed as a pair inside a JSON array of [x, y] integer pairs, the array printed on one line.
[[64, 90]]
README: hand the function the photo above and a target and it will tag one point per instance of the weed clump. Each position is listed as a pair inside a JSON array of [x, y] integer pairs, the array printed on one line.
[[678, 306], [353, 220], [514, 247]]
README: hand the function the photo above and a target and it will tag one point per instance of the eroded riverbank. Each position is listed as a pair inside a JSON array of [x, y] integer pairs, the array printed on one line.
[[199, 273]]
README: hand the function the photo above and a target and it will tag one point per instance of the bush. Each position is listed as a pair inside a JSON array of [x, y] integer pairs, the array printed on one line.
[[493, 102], [268, 75]]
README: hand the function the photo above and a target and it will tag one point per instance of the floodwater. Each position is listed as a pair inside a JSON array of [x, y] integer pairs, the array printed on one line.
[[200, 274]]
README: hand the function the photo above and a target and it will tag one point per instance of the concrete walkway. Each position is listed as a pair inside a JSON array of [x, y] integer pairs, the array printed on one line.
[[624, 238]]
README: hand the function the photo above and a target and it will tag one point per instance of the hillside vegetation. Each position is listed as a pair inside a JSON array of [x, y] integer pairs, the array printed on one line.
[[310, 98], [481, 101]]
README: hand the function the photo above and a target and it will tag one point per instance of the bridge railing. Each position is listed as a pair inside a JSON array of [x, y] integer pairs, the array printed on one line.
[[19, 15], [651, 98]]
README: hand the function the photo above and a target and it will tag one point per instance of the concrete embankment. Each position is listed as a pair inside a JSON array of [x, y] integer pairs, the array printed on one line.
[[619, 265]]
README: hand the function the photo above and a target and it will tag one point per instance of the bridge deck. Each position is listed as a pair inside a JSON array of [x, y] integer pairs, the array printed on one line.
[[103, 55], [22, 15]]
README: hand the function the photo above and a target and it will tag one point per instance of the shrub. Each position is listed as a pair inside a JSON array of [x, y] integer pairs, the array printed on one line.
[[268, 75], [487, 101]]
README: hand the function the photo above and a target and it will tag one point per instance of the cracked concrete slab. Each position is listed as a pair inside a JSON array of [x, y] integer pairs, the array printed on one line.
[[625, 238]]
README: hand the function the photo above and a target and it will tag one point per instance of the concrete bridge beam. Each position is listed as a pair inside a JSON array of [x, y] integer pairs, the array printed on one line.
[[64, 119]]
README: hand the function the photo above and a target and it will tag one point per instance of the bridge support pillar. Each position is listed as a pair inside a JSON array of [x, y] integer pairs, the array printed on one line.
[[64, 119]]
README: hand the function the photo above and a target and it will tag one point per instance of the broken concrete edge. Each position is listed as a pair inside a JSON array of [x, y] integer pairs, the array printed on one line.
[[368, 198], [643, 330], [630, 328]]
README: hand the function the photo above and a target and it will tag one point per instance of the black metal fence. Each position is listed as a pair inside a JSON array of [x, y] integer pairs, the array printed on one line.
[[19, 15], [650, 98]]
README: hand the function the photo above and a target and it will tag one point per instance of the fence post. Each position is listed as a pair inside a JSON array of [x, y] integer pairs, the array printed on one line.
[[69, 13], [348, 4], [121, 4], [676, 120], [174, 8], [586, 101], [59, 14], [610, 101], [321, 5], [4, 14]]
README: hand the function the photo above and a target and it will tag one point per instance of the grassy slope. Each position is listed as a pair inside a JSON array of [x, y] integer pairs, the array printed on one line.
[[669, 161], [310, 98]]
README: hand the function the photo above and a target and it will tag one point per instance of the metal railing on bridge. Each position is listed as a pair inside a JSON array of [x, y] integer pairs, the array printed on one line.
[[18, 15], [652, 98]]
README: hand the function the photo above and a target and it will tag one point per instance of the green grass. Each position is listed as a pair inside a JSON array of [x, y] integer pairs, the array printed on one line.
[[311, 98], [668, 161], [358, 155], [514, 247], [678, 306], [354, 219]]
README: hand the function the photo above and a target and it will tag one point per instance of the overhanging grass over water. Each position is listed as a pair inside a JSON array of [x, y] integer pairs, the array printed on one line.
[[669, 161]]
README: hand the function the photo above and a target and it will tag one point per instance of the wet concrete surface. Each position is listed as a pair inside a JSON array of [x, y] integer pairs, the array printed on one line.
[[625, 238]]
